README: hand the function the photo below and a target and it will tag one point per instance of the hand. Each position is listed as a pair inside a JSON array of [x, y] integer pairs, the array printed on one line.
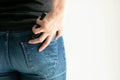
[[49, 26]]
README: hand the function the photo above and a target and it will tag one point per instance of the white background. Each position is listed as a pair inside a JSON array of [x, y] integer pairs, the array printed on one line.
[[92, 39]]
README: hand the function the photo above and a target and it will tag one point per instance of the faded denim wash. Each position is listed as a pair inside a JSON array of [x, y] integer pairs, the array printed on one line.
[[20, 60]]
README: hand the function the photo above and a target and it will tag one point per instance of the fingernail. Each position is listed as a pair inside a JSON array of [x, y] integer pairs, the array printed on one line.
[[40, 50], [29, 41]]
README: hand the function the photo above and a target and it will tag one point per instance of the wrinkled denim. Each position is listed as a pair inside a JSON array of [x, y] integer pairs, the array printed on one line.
[[20, 60]]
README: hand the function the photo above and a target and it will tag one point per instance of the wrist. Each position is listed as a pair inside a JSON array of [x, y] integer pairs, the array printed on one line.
[[58, 8], [56, 13]]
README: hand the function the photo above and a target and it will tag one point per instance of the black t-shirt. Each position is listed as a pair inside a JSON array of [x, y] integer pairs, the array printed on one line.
[[18, 13]]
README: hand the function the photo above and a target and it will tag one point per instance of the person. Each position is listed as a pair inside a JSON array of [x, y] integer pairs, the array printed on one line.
[[32, 48]]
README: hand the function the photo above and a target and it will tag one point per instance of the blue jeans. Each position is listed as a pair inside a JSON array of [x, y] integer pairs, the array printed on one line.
[[20, 60]]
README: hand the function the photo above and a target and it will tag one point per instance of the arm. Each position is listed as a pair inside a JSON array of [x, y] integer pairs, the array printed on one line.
[[58, 8], [51, 24]]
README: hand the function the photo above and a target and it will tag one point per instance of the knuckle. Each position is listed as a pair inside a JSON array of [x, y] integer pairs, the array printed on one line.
[[44, 22], [35, 32], [37, 21], [47, 29], [45, 26], [49, 32]]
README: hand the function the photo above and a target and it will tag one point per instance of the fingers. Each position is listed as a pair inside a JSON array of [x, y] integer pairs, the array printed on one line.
[[44, 39], [37, 30], [39, 39], [45, 43], [38, 21], [48, 27]]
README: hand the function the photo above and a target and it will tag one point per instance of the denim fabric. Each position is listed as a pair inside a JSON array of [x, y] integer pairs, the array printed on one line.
[[20, 60]]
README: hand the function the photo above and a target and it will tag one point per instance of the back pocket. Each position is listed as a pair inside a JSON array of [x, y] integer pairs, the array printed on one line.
[[44, 62]]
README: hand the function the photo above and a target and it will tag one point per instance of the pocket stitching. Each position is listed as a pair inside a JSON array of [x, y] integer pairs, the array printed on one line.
[[24, 45], [24, 52]]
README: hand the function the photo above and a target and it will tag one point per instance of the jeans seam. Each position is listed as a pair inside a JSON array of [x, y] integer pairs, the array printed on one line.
[[24, 53], [7, 50]]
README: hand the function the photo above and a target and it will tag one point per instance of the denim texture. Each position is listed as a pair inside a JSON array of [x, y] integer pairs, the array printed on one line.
[[20, 60]]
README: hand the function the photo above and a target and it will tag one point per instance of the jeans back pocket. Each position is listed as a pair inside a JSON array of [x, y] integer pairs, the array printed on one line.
[[44, 62]]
